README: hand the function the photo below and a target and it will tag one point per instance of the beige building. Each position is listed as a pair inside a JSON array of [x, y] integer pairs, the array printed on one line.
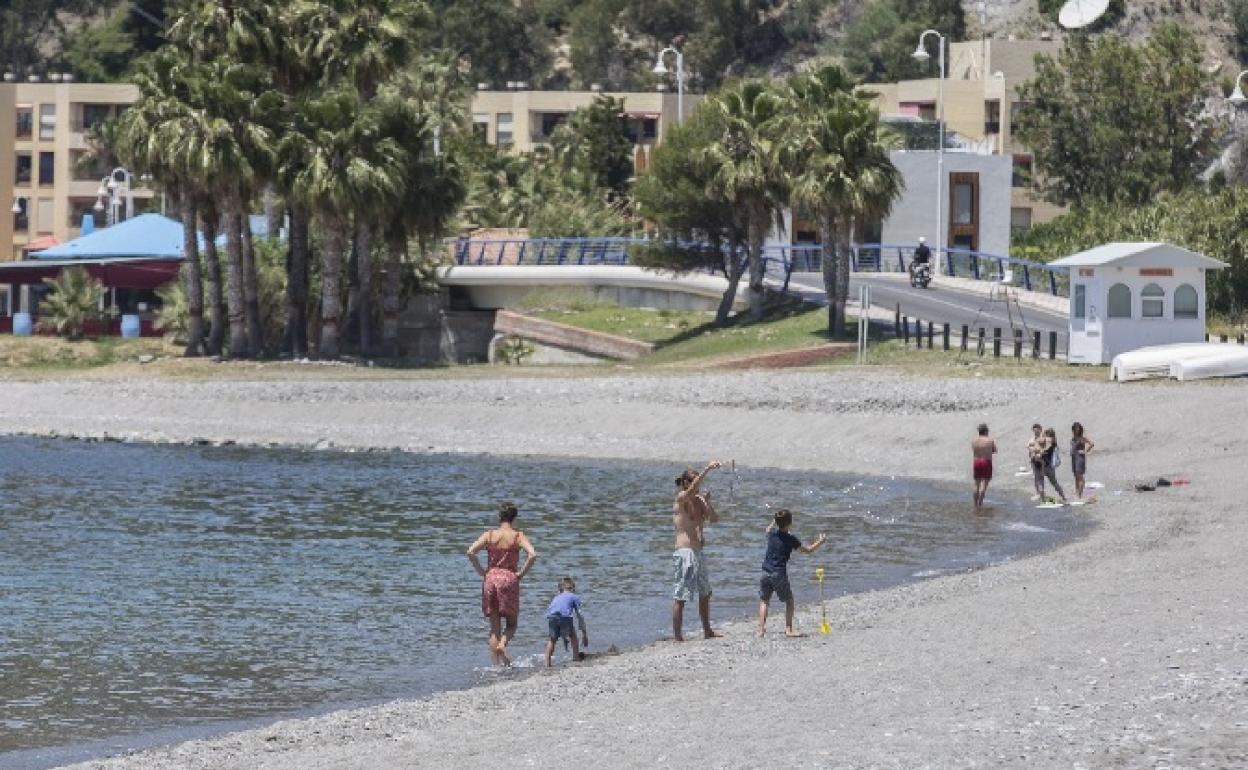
[[981, 102], [43, 144], [524, 120]]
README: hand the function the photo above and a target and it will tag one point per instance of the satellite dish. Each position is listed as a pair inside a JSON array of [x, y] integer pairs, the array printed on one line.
[[1081, 13]]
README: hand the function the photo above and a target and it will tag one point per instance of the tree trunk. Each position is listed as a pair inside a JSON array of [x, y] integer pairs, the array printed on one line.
[[234, 300], [194, 278], [391, 302], [352, 317], [736, 268], [251, 286], [297, 282], [844, 235], [212, 261], [827, 256], [757, 231], [367, 288], [331, 286]]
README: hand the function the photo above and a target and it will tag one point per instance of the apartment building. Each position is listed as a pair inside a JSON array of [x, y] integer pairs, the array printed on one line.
[[43, 153], [981, 105], [523, 120]]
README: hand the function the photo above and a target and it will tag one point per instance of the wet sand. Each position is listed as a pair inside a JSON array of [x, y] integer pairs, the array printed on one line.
[[1128, 648]]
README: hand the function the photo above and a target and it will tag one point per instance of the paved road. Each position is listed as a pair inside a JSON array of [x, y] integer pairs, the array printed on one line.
[[940, 304]]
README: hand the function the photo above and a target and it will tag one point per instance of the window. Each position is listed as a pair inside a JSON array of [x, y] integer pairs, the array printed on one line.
[[1186, 302], [43, 216], [503, 133], [1016, 109], [22, 171], [1022, 171], [47, 169], [93, 115], [963, 204], [481, 126], [47, 121], [1081, 301], [1119, 301], [650, 128], [21, 220], [25, 122], [992, 117], [551, 121], [927, 110], [1020, 220], [1153, 301]]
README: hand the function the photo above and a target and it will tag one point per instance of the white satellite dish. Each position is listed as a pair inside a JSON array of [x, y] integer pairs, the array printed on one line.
[[1081, 13]]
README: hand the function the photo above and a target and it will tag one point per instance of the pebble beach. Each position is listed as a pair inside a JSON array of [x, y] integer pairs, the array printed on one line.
[[1127, 648]]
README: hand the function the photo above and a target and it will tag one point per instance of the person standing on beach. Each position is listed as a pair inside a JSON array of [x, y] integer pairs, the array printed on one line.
[[1035, 455], [982, 450], [691, 512], [500, 582], [1080, 445], [775, 580], [1052, 459]]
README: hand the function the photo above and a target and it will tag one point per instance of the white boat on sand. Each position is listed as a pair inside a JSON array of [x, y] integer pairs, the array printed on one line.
[[1182, 361]]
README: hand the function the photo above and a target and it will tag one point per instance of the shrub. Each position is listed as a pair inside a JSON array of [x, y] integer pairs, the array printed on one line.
[[75, 300]]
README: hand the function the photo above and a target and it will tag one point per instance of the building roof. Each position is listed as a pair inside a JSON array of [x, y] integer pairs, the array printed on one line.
[[1145, 254], [147, 235]]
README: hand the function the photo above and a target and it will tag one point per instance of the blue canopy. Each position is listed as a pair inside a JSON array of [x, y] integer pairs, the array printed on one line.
[[147, 235]]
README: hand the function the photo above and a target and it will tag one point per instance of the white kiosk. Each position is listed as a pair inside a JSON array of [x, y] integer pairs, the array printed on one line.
[[1126, 296]]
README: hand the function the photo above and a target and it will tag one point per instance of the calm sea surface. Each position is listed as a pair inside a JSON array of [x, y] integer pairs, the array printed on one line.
[[149, 593]]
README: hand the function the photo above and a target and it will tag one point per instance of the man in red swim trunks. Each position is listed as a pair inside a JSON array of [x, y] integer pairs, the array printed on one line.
[[982, 450]]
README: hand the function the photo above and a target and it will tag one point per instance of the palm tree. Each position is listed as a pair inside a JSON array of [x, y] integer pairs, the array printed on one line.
[[350, 165], [839, 154], [744, 166], [138, 139]]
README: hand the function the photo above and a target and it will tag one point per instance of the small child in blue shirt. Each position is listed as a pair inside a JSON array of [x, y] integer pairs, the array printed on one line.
[[775, 579], [565, 607]]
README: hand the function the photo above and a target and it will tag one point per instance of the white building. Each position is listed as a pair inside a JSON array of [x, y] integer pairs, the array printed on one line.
[[1126, 296]]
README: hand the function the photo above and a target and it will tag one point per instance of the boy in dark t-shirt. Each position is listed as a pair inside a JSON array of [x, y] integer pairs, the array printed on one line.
[[775, 579]]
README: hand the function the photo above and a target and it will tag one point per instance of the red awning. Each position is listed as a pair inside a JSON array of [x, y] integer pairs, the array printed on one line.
[[113, 273], [41, 243]]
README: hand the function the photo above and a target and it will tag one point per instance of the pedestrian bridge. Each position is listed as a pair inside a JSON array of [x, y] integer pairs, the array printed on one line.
[[497, 273]]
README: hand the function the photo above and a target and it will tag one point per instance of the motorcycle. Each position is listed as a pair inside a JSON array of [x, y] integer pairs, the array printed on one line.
[[920, 275]]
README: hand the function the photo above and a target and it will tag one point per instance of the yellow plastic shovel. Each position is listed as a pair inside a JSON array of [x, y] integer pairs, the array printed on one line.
[[825, 627]]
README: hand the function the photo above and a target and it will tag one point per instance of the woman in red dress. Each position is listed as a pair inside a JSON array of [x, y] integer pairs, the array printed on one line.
[[500, 584]]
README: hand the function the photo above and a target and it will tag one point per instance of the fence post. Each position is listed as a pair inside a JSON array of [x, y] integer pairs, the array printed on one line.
[[996, 342], [929, 335], [1035, 345], [966, 337], [905, 329], [944, 335], [1018, 344], [1052, 346], [918, 334]]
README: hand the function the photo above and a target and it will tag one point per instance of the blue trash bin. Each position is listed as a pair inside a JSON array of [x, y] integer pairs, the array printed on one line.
[[22, 325], [130, 326]]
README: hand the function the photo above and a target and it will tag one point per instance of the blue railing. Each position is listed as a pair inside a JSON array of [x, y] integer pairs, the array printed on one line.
[[780, 261]]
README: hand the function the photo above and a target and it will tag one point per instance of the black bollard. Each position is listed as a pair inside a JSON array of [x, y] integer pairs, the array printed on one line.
[[1035, 345], [1052, 346], [929, 335], [905, 329], [966, 337], [996, 342], [981, 341], [944, 334], [918, 334], [1018, 344]]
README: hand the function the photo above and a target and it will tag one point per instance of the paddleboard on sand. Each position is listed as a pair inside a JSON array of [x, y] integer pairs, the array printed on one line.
[[1050, 505]]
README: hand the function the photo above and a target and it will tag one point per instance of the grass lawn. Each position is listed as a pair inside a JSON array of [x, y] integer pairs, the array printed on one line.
[[57, 353]]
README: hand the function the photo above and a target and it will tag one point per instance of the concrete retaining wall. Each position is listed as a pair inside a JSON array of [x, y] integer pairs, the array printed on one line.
[[569, 338]]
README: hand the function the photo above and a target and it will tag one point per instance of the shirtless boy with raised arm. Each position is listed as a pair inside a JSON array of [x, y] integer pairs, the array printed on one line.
[[691, 511]]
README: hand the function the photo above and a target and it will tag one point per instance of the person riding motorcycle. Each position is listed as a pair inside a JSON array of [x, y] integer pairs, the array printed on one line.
[[922, 257]]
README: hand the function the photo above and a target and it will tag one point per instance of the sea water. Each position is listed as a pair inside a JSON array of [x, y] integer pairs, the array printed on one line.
[[153, 592]]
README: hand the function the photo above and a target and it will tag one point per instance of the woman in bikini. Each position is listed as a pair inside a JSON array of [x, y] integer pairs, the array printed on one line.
[[1080, 445], [500, 581]]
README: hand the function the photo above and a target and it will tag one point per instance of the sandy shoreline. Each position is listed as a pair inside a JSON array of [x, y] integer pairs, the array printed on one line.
[[1126, 649]]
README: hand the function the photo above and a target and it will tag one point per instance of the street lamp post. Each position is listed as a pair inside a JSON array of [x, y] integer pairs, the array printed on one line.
[[921, 54], [109, 187], [661, 69]]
